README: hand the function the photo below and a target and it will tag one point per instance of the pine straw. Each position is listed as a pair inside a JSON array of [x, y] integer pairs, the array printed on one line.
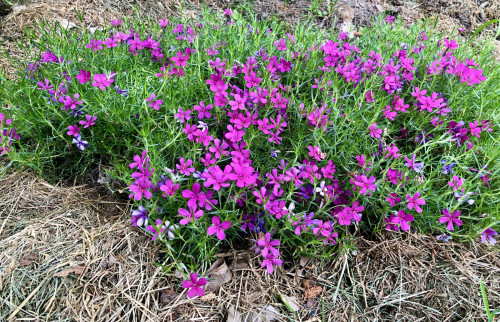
[[46, 230]]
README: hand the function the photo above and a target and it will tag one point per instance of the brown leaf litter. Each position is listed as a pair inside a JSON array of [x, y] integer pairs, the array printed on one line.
[[86, 262]]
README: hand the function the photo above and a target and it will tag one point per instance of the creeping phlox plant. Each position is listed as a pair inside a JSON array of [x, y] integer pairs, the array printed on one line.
[[295, 142]]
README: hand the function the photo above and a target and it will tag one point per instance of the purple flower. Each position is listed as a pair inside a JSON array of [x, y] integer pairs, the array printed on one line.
[[447, 168], [83, 77], [416, 166], [139, 217], [218, 228], [80, 144], [194, 285], [415, 202], [487, 236], [450, 219]]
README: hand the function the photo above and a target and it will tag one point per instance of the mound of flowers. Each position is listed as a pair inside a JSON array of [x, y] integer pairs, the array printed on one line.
[[241, 134]]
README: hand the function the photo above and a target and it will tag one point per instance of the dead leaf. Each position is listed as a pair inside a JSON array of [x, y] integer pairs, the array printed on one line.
[[252, 297], [219, 276], [379, 8], [66, 24], [303, 261], [77, 270], [313, 292], [233, 315], [209, 297], [112, 260], [28, 259], [291, 302], [167, 296], [18, 8], [310, 303]]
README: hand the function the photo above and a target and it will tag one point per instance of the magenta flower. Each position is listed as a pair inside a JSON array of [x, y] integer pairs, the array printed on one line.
[[183, 115], [154, 103], [203, 111], [243, 175], [194, 196], [102, 81], [189, 216], [391, 223], [316, 153], [475, 129], [267, 246], [169, 188], [415, 202], [140, 189], [89, 121], [450, 219], [281, 44], [269, 261], [180, 59], [392, 151], [456, 182], [487, 236], [218, 228], [185, 168], [365, 183], [83, 77], [194, 285], [374, 132], [163, 23], [390, 19], [404, 220], [73, 130], [393, 199]]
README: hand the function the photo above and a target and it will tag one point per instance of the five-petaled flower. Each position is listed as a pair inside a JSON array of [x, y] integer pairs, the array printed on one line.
[[218, 228], [450, 218], [194, 285]]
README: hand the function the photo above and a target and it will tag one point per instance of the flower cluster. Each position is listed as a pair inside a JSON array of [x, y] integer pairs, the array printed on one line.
[[294, 141]]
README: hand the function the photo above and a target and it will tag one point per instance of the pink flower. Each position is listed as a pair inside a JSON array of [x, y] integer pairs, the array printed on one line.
[[169, 188], [404, 220], [475, 129], [374, 132], [180, 59], [194, 195], [487, 236], [450, 219], [140, 189], [281, 44], [393, 199], [189, 216], [269, 262], [415, 202], [154, 103], [90, 121], [102, 81], [315, 153], [183, 115], [194, 284], [392, 151], [268, 246], [185, 168], [456, 182], [73, 130], [83, 77], [218, 228], [365, 183], [203, 111]]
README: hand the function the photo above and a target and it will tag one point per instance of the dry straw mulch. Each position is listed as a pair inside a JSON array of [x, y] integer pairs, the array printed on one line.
[[67, 254]]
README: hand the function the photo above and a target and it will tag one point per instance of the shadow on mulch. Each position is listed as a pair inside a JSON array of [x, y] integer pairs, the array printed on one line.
[[68, 254]]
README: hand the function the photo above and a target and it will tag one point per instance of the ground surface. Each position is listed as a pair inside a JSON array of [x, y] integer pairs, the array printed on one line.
[[70, 253]]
